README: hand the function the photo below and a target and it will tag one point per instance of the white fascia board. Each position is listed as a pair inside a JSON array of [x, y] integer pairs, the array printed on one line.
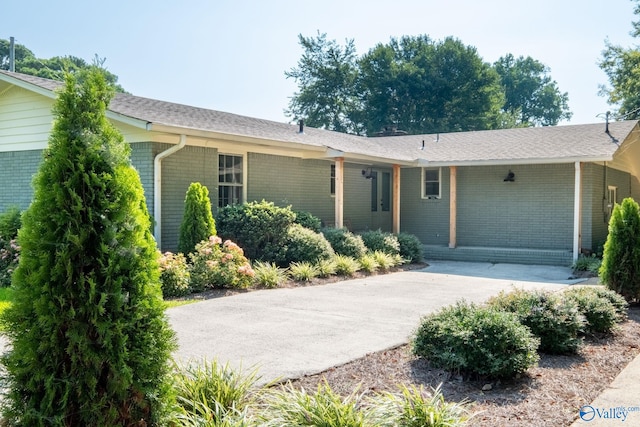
[[28, 86], [140, 124]]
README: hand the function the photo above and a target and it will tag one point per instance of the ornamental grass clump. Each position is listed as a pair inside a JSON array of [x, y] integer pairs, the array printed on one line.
[[368, 263], [555, 320], [416, 407], [289, 406], [476, 341], [214, 394], [303, 271], [384, 260], [89, 340], [345, 265], [218, 264], [269, 275]]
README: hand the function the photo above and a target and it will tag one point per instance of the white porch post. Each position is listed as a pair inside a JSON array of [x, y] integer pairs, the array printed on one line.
[[453, 206], [396, 199], [577, 210], [339, 201]]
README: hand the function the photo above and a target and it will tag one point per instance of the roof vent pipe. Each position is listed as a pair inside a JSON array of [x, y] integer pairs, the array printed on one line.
[[301, 126]]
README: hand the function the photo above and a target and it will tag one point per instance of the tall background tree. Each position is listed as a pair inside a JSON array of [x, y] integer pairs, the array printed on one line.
[[420, 85], [622, 66], [53, 68], [326, 76], [531, 97], [90, 342]]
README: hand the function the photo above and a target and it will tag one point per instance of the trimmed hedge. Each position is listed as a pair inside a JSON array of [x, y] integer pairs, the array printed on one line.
[[345, 242]]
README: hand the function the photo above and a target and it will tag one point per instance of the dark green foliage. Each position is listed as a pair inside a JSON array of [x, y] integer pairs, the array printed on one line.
[[619, 303], [600, 313], [10, 223], [306, 245], [345, 242], [260, 228], [307, 220], [197, 222], [476, 341], [555, 320], [378, 240], [90, 340], [410, 247], [620, 270]]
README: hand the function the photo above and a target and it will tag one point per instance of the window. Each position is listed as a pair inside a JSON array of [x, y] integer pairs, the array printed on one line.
[[332, 184], [230, 178], [612, 196], [431, 183]]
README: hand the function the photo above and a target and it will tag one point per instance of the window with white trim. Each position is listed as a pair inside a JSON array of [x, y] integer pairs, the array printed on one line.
[[230, 178], [332, 185], [612, 196], [431, 180]]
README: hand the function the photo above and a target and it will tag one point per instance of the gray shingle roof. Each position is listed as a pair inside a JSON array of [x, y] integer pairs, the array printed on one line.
[[535, 145]]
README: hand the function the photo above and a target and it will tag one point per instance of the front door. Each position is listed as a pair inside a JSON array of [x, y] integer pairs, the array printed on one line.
[[381, 216]]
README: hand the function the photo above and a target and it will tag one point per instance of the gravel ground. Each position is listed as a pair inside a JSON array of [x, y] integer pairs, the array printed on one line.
[[548, 395]]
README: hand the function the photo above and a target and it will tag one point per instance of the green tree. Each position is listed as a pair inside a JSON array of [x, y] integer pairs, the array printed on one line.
[[620, 269], [622, 66], [197, 223], [423, 86], [326, 75], [53, 68], [531, 96], [90, 342]]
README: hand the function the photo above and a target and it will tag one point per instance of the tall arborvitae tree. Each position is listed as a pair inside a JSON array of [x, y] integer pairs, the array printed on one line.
[[197, 223], [620, 269], [90, 341]]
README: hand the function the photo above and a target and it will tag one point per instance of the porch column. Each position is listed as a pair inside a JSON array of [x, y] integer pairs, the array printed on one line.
[[395, 209], [577, 211], [453, 205], [339, 201]]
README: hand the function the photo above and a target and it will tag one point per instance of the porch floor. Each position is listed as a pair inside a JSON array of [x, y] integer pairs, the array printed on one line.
[[499, 255]]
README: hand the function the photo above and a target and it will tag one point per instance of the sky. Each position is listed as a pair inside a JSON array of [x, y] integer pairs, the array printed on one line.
[[231, 55]]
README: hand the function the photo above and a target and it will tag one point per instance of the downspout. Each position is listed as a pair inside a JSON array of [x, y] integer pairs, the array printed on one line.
[[157, 188]]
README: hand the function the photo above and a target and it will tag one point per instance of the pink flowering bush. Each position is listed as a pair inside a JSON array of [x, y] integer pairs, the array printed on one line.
[[218, 264], [9, 257], [174, 275]]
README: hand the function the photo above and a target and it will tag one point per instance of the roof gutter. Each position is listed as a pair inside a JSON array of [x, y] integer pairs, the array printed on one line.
[[157, 187], [536, 161]]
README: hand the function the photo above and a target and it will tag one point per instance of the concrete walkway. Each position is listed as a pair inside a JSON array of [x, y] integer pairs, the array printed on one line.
[[287, 333]]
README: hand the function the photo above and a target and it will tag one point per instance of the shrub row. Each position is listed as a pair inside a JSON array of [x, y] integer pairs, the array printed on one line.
[[214, 394], [501, 338]]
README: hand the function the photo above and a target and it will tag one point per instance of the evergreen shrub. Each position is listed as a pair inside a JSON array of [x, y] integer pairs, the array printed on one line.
[[305, 245], [89, 341], [308, 220], [477, 341], [620, 269], [378, 240], [10, 222], [599, 311], [345, 242], [197, 221], [410, 247], [555, 320], [260, 228]]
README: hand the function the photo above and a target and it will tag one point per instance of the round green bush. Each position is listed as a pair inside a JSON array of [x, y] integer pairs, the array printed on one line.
[[410, 247], [555, 320], [474, 340], [307, 220], [378, 240], [174, 275], [305, 245], [600, 313], [260, 228], [345, 242]]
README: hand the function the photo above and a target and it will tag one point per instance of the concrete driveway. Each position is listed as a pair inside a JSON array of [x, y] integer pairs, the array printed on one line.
[[287, 333]]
